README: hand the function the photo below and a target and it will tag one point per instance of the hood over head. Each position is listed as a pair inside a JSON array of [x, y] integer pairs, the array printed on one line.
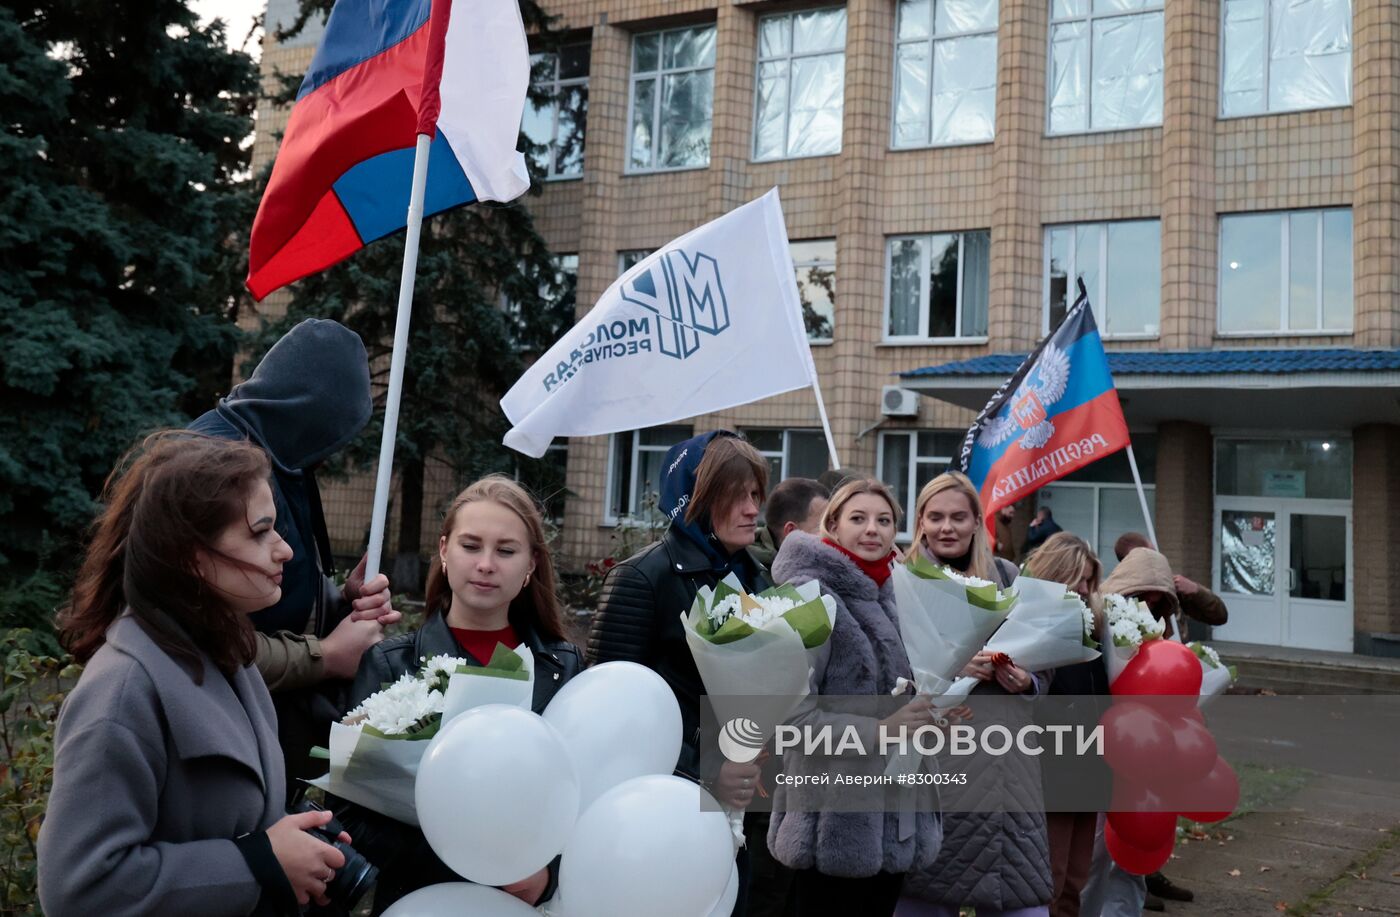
[[309, 396], [678, 476], [1144, 570]]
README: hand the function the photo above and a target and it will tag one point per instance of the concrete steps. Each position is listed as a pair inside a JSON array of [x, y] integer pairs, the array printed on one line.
[[1294, 671]]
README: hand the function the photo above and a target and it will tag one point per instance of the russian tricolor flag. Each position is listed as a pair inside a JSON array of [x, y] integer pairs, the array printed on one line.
[[386, 71], [1058, 413]]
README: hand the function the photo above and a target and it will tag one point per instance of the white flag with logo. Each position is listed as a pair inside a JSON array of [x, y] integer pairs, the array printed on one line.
[[708, 322]]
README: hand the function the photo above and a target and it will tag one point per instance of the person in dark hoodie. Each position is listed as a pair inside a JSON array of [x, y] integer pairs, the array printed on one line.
[[712, 488], [306, 400]]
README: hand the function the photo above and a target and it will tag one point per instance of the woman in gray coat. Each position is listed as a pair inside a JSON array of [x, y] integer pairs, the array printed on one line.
[[168, 779], [853, 862]]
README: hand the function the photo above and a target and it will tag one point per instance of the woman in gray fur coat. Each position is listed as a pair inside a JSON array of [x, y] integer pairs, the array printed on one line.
[[996, 859], [853, 862]]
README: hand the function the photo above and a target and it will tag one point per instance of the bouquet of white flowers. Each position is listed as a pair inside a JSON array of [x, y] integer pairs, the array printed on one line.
[[1130, 624], [1216, 676], [375, 749], [756, 645]]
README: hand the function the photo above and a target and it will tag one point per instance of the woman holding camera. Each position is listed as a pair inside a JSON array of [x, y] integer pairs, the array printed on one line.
[[168, 794], [493, 582]]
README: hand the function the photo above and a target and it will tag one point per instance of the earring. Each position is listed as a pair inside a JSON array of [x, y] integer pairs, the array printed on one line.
[[527, 581], [444, 566]]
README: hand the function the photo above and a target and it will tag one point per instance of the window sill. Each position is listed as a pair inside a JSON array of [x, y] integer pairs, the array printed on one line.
[[1274, 114], [552, 179], [1226, 335], [956, 144], [776, 159], [1093, 132], [932, 342], [1128, 337], [639, 173], [822, 343]]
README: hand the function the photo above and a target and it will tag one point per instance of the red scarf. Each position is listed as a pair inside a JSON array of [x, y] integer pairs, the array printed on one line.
[[878, 570]]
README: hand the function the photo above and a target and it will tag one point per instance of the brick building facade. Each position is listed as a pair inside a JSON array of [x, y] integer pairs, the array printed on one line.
[[1224, 174]]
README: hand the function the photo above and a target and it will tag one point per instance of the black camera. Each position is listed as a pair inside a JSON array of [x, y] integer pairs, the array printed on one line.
[[356, 877]]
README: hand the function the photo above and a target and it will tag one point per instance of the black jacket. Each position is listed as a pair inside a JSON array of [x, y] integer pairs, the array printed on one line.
[[405, 859], [639, 620]]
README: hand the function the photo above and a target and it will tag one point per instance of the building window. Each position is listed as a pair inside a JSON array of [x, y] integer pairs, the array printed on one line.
[[801, 84], [545, 477], [1121, 266], [1284, 55], [937, 286], [945, 72], [634, 471], [790, 453], [1105, 65], [1099, 502], [1286, 272], [815, 262], [629, 259], [536, 325], [557, 127], [910, 459], [672, 99]]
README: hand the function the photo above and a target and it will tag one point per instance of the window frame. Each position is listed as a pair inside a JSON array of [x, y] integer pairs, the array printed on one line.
[[1098, 487], [556, 86], [658, 74], [931, 41], [1097, 298], [906, 532], [790, 57], [785, 457], [799, 266], [611, 518], [922, 338], [1268, 37], [1088, 19], [1285, 240]]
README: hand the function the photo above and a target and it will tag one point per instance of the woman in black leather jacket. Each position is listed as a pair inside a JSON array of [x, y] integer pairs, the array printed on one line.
[[712, 489], [493, 583]]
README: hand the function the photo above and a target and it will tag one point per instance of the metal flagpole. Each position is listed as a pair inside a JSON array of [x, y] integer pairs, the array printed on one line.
[[826, 421], [1142, 498], [396, 364]]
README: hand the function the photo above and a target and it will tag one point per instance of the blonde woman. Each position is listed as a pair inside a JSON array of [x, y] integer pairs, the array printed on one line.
[[1068, 559]]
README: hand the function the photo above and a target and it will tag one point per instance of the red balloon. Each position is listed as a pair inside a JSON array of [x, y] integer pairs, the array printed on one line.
[[1195, 749], [1162, 667], [1135, 860], [1215, 795], [1138, 741], [1194, 713], [1144, 830], [1131, 795]]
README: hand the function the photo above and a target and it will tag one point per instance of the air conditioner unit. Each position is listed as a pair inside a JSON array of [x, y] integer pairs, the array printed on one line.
[[898, 402]]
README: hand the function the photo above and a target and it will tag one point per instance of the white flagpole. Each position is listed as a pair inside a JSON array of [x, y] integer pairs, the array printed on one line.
[[1142, 498], [396, 364], [826, 421]]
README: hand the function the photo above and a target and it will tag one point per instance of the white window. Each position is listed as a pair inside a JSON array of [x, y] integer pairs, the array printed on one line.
[[1105, 65], [937, 286], [1286, 273], [628, 259], [634, 471], [815, 262], [790, 453], [1284, 55], [945, 72], [1121, 266], [672, 99], [910, 459], [557, 128], [801, 84]]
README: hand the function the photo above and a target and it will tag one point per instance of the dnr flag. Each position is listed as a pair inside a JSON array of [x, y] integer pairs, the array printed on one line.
[[708, 322], [1058, 413]]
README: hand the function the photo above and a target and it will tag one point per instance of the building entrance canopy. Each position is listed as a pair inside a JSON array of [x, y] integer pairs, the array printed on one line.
[[1278, 390]]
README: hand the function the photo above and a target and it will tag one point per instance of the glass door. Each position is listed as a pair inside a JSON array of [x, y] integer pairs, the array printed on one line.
[[1246, 563], [1317, 612]]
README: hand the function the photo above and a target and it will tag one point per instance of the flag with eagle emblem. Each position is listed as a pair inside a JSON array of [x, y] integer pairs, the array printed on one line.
[[1058, 413]]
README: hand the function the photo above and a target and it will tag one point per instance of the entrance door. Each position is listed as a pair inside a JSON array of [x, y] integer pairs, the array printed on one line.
[[1283, 567]]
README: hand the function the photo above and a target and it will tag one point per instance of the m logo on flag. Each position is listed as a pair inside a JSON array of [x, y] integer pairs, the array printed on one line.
[[687, 297]]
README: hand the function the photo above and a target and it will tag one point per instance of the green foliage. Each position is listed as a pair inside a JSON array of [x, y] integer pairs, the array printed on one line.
[[122, 183], [35, 678]]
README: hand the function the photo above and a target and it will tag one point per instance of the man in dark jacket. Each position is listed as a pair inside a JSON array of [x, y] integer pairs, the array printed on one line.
[[1042, 527], [712, 487], [307, 399]]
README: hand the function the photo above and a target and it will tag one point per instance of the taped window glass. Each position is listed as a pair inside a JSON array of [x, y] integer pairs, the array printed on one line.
[[1069, 78], [1285, 55], [1106, 63], [1242, 75], [965, 89], [911, 106], [945, 61], [672, 102], [801, 88]]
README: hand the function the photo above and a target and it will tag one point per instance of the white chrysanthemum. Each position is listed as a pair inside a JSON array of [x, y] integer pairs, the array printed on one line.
[[1206, 653], [970, 581], [1130, 621], [399, 707], [720, 611], [770, 609], [1086, 616], [438, 669]]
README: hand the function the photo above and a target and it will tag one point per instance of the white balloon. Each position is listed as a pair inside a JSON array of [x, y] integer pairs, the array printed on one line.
[[725, 905], [452, 899], [496, 794], [619, 720], [645, 848]]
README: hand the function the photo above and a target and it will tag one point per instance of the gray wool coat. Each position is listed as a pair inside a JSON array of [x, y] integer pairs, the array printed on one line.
[[154, 776], [864, 656]]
